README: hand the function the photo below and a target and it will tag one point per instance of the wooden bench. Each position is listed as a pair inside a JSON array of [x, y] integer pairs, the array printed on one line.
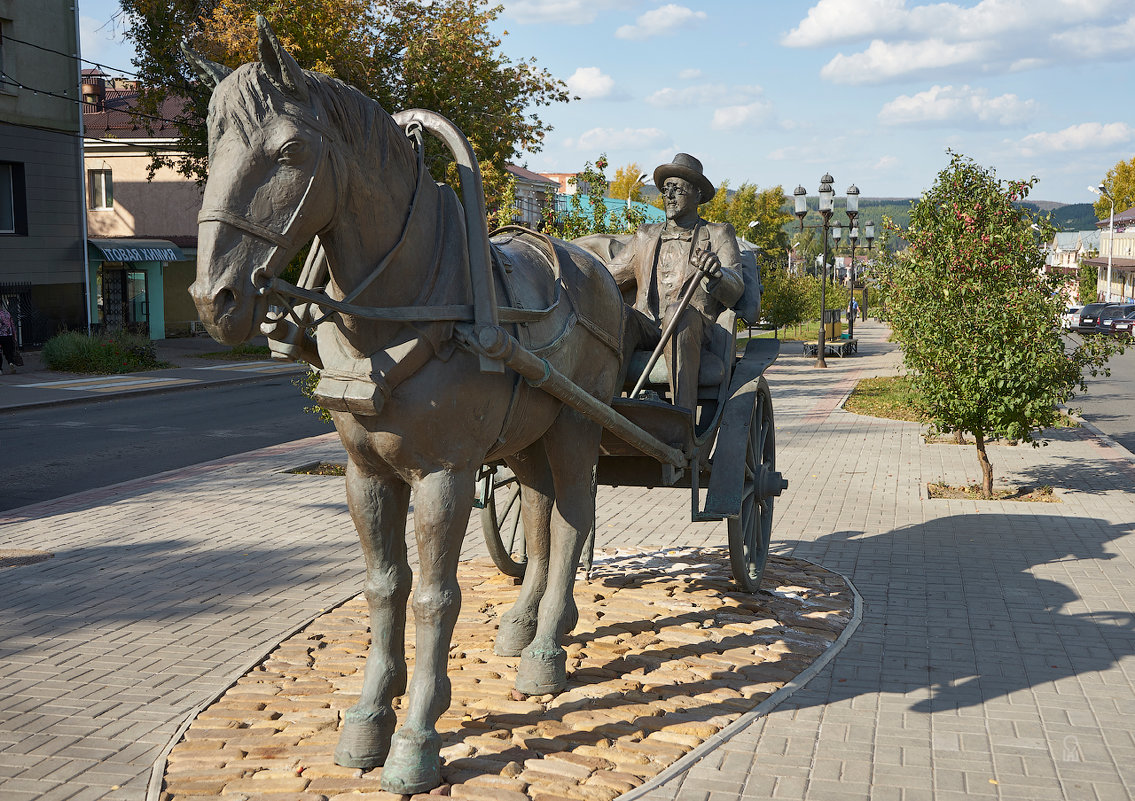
[[837, 347]]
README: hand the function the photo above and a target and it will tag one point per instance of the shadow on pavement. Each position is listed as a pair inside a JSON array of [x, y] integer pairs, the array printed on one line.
[[954, 609]]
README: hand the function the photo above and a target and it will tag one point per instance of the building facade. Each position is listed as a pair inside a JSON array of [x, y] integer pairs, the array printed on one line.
[[142, 229], [1117, 252], [42, 258]]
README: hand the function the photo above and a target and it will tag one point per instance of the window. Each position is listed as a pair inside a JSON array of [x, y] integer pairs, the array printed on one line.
[[101, 188], [13, 208]]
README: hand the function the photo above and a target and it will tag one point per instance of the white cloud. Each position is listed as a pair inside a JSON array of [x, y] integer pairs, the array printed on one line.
[[705, 94], [662, 21], [988, 36], [604, 139], [590, 83], [730, 118], [957, 105], [883, 61], [563, 12], [885, 163], [833, 21], [1084, 136], [690, 74]]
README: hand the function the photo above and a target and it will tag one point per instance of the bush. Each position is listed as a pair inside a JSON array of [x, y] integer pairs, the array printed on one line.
[[115, 352]]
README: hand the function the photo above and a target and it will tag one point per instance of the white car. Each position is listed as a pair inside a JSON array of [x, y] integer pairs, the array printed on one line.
[[1071, 317]]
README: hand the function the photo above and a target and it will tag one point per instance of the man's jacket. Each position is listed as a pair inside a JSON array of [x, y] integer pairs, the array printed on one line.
[[635, 267]]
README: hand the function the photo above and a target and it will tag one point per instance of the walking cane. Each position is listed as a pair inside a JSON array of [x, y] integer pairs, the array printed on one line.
[[687, 296]]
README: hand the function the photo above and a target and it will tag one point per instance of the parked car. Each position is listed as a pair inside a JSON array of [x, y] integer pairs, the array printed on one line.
[[1070, 318], [1105, 323], [1088, 317], [1125, 326]]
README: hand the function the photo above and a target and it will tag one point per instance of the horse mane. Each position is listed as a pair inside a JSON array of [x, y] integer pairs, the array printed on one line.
[[247, 97]]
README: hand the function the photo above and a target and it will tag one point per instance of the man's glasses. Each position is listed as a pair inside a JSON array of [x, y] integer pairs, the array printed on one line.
[[674, 189]]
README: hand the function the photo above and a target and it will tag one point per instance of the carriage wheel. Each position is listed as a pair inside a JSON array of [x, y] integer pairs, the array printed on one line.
[[500, 521], [751, 531]]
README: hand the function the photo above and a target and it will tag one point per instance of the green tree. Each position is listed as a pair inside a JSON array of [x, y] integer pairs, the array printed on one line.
[[578, 221], [404, 53], [975, 316], [1087, 279], [1120, 184], [788, 299]]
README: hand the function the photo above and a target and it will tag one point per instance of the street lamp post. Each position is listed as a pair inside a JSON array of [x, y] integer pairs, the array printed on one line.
[[640, 180], [1102, 190], [869, 235], [827, 206]]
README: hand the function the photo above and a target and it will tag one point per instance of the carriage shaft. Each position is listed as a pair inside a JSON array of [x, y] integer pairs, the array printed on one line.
[[499, 344]]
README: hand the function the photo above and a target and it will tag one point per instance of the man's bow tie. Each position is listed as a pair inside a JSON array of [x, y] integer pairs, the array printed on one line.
[[679, 234]]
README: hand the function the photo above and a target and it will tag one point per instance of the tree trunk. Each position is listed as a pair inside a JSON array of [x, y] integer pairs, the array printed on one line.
[[959, 437], [986, 467]]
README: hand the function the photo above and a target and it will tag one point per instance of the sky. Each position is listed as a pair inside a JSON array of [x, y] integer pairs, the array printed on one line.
[[778, 93]]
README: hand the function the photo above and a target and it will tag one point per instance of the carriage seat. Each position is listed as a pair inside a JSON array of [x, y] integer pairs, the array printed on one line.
[[711, 369]]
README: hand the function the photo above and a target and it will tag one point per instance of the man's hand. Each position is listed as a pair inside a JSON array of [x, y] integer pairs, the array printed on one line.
[[707, 262]]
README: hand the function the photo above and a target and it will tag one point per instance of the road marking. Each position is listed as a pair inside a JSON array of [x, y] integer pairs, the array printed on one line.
[[108, 383]]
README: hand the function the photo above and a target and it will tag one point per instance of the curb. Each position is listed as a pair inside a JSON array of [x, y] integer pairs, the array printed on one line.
[[1106, 439], [765, 706], [158, 769]]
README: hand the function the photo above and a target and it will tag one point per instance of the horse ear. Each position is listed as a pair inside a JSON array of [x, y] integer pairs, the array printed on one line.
[[282, 69], [210, 71]]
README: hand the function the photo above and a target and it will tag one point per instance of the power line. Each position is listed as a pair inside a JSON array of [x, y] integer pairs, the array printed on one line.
[[85, 136], [9, 79], [9, 38]]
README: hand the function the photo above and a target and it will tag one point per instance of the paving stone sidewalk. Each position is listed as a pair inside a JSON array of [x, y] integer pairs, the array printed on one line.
[[994, 658]]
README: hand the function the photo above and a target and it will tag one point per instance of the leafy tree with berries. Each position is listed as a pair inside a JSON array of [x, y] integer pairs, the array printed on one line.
[[976, 318]]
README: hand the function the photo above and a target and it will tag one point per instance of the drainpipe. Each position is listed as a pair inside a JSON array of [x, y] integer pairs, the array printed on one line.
[[82, 176]]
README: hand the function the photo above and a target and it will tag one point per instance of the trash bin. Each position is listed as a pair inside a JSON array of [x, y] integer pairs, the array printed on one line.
[[832, 325]]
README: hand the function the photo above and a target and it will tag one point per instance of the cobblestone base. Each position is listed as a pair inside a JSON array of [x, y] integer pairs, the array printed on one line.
[[666, 654]]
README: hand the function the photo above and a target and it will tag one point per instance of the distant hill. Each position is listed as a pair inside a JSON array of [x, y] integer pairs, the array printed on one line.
[[1067, 216]]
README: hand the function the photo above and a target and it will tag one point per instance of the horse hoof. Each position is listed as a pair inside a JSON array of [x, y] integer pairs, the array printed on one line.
[[414, 763], [542, 672], [514, 635], [364, 740]]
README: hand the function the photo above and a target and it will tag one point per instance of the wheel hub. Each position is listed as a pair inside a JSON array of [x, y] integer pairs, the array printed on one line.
[[770, 483]]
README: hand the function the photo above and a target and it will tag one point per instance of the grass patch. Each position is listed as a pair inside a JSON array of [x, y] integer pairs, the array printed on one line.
[[241, 352], [972, 492], [892, 397], [105, 354], [320, 469]]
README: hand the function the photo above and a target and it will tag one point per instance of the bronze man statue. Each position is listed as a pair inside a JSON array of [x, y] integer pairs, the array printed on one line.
[[658, 265]]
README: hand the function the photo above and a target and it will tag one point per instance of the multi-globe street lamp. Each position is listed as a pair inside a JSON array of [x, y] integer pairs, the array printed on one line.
[[1102, 190], [827, 206], [853, 239]]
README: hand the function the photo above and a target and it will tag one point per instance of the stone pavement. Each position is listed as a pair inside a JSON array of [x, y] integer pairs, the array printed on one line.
[[36, 386], [994, 658]]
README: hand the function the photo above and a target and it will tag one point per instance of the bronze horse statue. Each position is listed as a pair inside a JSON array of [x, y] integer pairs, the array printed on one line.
[[294, 155]]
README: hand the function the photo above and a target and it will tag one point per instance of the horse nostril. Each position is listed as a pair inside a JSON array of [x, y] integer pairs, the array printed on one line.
[[224, 301]]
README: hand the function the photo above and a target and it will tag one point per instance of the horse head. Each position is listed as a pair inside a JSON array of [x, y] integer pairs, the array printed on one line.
[[271, 185]]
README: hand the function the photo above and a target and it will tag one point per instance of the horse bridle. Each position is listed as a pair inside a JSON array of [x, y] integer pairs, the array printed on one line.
[[282, 241]]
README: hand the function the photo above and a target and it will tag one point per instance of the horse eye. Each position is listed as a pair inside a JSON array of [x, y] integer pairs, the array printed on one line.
[[293, 152]]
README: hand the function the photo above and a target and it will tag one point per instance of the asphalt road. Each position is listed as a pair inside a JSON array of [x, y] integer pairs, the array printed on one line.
[[1109, 403], [51, 452]]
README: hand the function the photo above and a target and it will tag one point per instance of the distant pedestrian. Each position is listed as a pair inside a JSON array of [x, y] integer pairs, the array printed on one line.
[[8, 341], [853, 311]]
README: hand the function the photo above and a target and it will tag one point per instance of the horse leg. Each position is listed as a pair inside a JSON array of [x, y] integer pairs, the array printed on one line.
[[441, 512], [572, 445], [518, 625], [378, 506]]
